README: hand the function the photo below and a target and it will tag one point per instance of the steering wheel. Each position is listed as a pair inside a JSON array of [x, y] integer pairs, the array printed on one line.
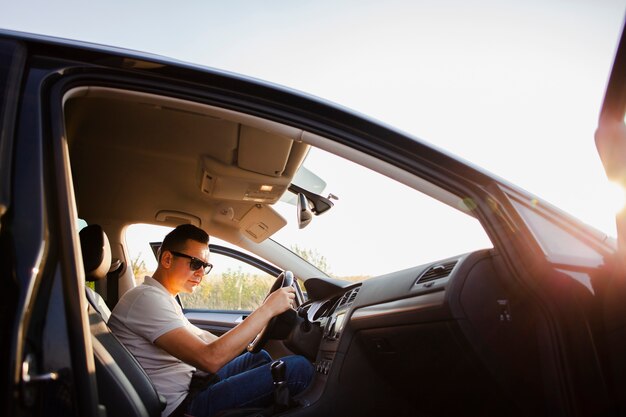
[[285, 279]]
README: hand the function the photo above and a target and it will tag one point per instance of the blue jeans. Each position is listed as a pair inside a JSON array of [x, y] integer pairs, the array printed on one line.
[[246, 381]]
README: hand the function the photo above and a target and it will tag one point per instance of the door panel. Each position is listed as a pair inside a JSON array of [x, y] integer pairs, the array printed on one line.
[[215, 322], [12, 58]]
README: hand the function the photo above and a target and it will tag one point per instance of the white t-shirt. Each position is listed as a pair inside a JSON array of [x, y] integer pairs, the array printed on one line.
[[141, 316]]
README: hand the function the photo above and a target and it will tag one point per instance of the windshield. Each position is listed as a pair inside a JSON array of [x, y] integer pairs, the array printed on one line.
[[377, 225]]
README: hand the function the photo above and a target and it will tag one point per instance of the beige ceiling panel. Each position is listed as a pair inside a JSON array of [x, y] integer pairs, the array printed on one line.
[[188, 106]]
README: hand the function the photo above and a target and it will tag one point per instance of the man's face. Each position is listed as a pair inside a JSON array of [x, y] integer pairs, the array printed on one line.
[[182, 277]]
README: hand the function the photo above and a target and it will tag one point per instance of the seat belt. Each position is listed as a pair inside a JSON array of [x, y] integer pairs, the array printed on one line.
[[113, 276]]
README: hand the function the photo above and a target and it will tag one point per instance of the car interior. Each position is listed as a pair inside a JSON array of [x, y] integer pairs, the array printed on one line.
[[464, 335]]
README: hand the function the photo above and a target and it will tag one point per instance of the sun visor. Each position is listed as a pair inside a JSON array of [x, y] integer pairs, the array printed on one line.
[[263, 152], [261, 222]]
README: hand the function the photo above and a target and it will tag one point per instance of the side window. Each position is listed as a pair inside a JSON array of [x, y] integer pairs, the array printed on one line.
[[560, 246], [231, 285]]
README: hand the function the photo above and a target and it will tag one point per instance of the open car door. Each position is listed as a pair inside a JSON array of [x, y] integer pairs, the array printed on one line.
[[611, 133], [610, 140]]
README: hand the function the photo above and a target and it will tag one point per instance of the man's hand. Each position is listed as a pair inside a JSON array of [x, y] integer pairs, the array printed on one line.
[[280, 301]]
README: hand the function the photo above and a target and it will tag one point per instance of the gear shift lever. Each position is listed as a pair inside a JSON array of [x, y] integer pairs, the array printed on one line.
[[281, 391]]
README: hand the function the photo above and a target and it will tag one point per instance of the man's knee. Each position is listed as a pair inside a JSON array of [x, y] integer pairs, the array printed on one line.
[[299, 371], [297, 362]]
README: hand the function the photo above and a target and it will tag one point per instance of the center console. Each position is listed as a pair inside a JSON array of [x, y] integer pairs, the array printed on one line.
[[333, 323]]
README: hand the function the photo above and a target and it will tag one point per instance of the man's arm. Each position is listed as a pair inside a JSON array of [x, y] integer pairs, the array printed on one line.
[[211, 355]]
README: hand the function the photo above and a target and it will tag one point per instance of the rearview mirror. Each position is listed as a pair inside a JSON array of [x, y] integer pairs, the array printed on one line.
[[318, 203], [304, 212]]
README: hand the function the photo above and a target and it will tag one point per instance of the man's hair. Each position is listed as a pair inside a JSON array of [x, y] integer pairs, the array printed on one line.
[[176, 239]]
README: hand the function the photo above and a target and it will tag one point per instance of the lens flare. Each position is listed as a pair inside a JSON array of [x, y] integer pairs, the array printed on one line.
[[615, 196]]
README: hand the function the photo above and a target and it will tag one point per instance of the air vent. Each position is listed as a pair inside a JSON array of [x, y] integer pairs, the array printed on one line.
[[343, 299], [348, 298], [353, 295], [436, 272]]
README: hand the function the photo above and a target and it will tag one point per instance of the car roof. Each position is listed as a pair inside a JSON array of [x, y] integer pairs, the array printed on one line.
[[278, 111]]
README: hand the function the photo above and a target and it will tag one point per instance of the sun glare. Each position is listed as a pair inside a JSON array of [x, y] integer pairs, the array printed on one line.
[[615, 196]]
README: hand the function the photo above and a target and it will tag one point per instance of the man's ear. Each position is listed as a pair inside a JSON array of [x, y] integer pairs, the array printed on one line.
[[166, 259]]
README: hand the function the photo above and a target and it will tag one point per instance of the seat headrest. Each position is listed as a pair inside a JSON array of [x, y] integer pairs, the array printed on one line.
[[96, 252]]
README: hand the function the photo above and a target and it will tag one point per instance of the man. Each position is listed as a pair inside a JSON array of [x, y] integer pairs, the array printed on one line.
[[151, 324]]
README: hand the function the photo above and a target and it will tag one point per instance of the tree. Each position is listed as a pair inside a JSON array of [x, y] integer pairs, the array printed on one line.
[[313, 257], [201, 297], [244, 291], [233, 289], [138, 266], [234, 281]]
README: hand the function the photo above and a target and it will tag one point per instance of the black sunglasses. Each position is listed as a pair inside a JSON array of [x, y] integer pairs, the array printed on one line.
[[195, 263]]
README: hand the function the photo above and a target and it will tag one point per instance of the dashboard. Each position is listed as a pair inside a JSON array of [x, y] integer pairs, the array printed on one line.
[[459, 336], [388, 333], [338, 310]]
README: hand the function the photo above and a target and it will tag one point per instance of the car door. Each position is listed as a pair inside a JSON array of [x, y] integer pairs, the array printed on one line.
[[46, 355], [610, 140], [610, 136]]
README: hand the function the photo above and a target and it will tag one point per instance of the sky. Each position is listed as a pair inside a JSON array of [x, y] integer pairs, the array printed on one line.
[[512, 86]]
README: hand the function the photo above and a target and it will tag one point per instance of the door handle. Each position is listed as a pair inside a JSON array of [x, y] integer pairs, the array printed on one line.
[[29, 382], [27, 378]]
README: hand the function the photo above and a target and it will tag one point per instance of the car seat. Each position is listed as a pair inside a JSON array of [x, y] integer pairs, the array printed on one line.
[[97, 263], [123, 386]]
